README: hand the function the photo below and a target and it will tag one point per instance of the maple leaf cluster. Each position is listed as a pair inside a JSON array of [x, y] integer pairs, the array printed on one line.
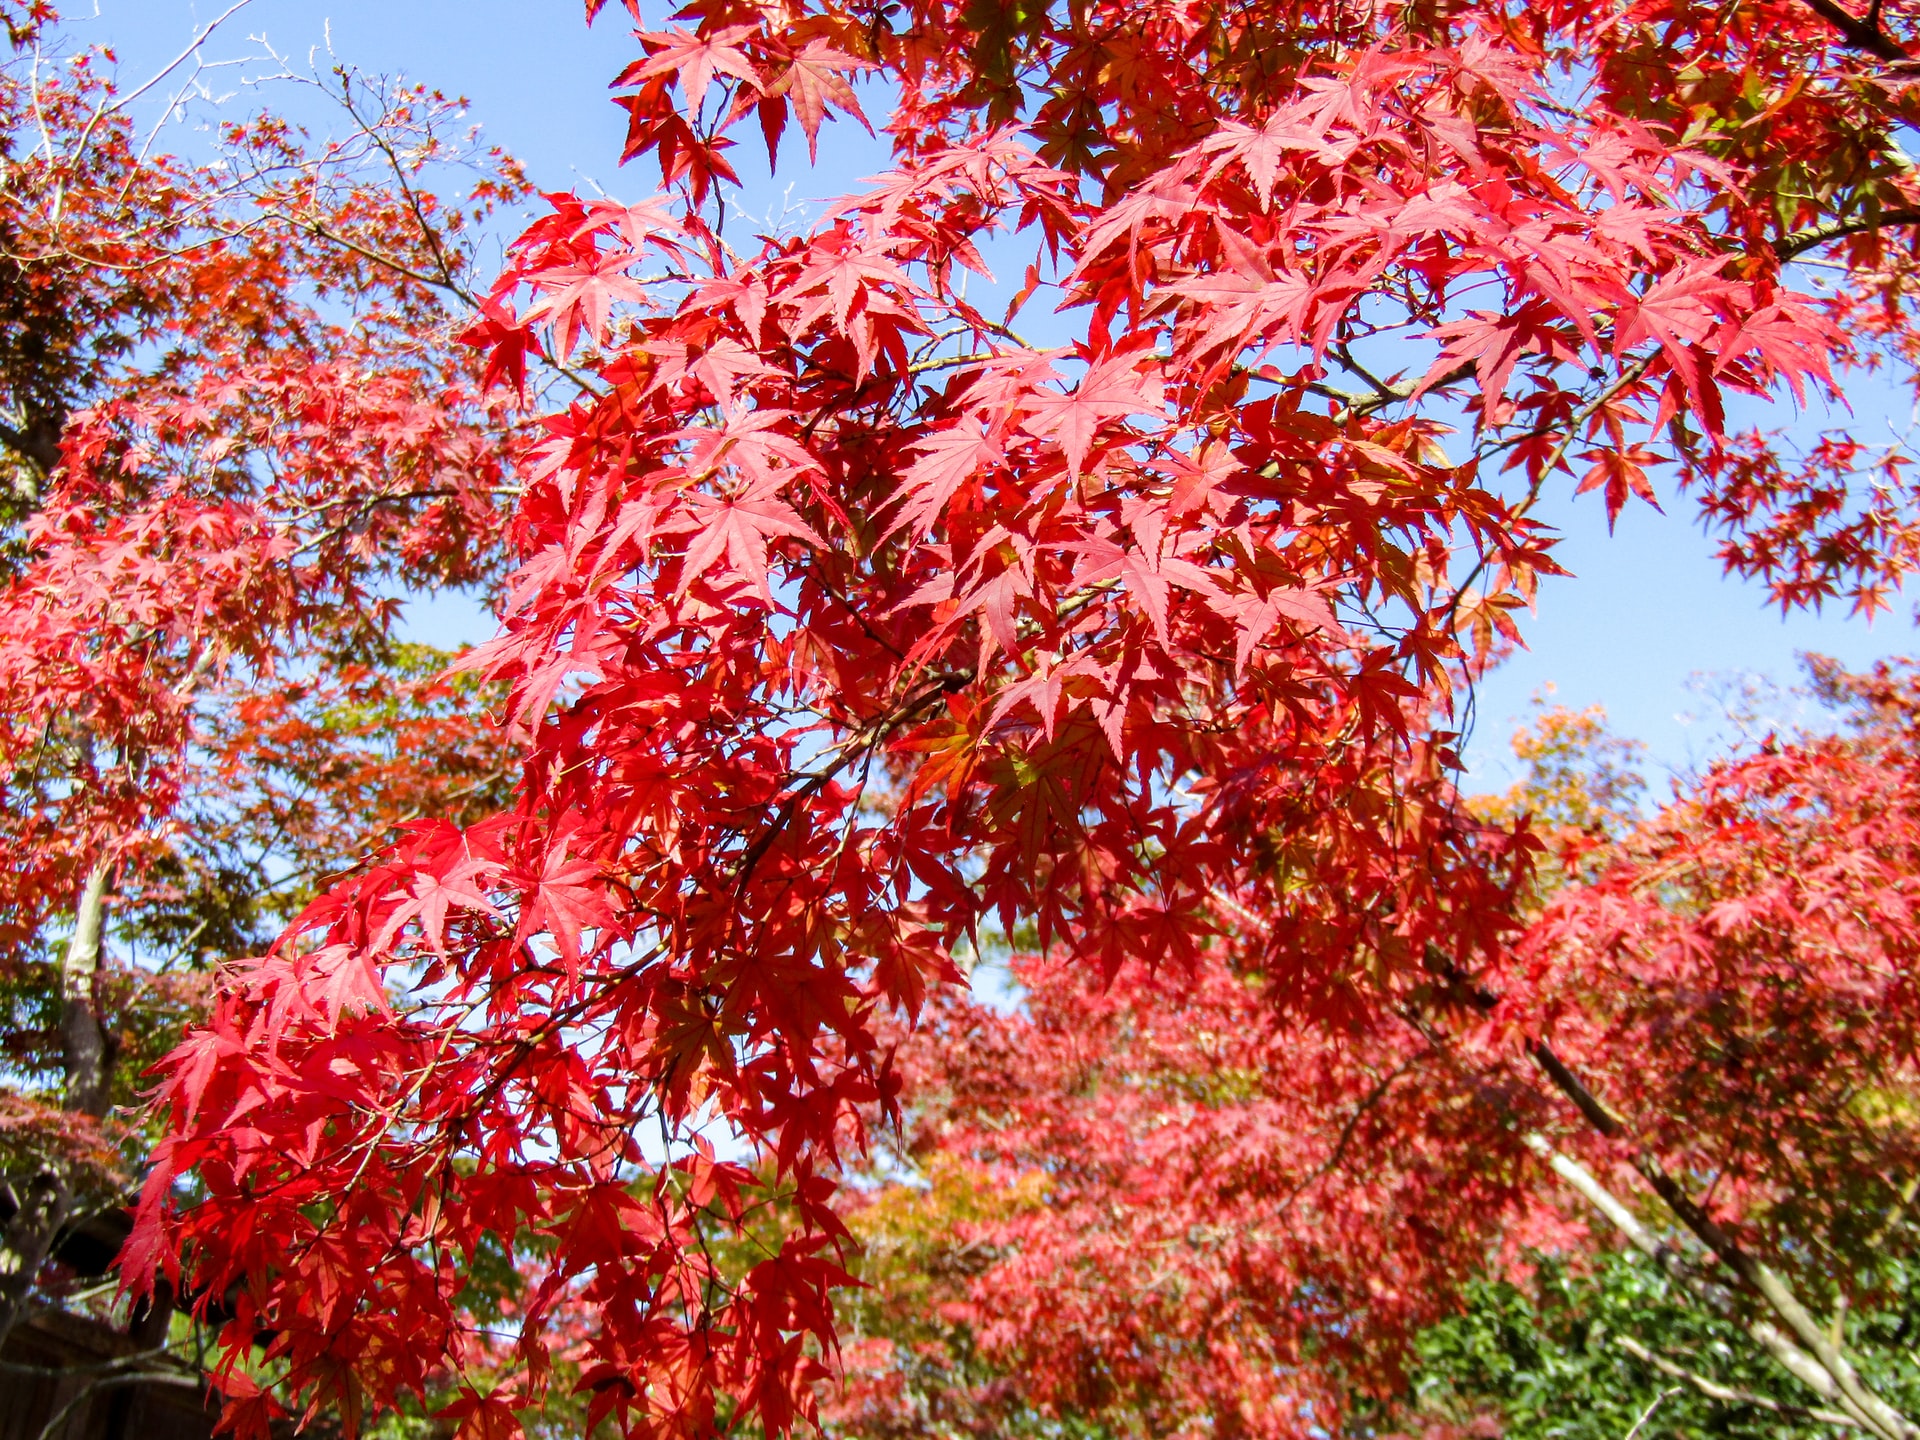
[[848, 624]]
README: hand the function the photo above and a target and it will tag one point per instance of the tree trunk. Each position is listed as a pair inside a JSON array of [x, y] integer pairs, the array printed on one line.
[[41, 1206], [42, 1201], [83, 1040]]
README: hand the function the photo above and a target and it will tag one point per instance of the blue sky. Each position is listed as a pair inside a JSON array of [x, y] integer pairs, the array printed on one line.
[[1647, 612]]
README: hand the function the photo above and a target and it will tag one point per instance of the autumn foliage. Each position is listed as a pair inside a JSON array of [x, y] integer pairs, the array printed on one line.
[[235, 424], [850, 629], [260, 425], [1156, 1207]]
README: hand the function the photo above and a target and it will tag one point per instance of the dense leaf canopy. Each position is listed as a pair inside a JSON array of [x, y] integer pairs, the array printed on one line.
[[851, 630]]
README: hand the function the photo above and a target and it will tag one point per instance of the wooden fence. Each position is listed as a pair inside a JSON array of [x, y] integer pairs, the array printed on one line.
[[68, 1377]]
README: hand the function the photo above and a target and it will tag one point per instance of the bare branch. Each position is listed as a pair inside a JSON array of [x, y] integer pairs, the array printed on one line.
[[1713, 1390], [1652, 1405], [201, 36], [53, 1426]]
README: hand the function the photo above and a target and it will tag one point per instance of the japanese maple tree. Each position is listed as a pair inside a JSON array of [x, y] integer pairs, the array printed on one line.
[[235, 428], [848, 622], [1156, 1209], [1153, 1206]]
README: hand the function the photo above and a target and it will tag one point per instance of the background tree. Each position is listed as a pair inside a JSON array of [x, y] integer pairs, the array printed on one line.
[[1149, 1208], [1735, 985], [236, 427], [1598, 1346]]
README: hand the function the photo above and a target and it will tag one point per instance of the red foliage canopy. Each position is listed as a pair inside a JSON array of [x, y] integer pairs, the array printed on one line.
[[848, 622], [261, 426], [1157, 1206]]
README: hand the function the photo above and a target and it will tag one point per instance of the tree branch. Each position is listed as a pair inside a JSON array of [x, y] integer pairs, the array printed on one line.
[[1820, 1359], [1652, 1405], [1602, 1199], [1859, 34], [1570, 1085], [38, 444], [1713, 1390], [1332, 1162], [52, 1427], [1807, 1369], [1791, 247], [39, 1212]]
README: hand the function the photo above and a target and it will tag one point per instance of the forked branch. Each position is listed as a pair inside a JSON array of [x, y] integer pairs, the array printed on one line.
[[1727, 1394], [1804, 1349], [1859, 32]]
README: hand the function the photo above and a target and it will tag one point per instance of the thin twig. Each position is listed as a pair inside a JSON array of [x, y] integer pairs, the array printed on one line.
[[1652, 1405]]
